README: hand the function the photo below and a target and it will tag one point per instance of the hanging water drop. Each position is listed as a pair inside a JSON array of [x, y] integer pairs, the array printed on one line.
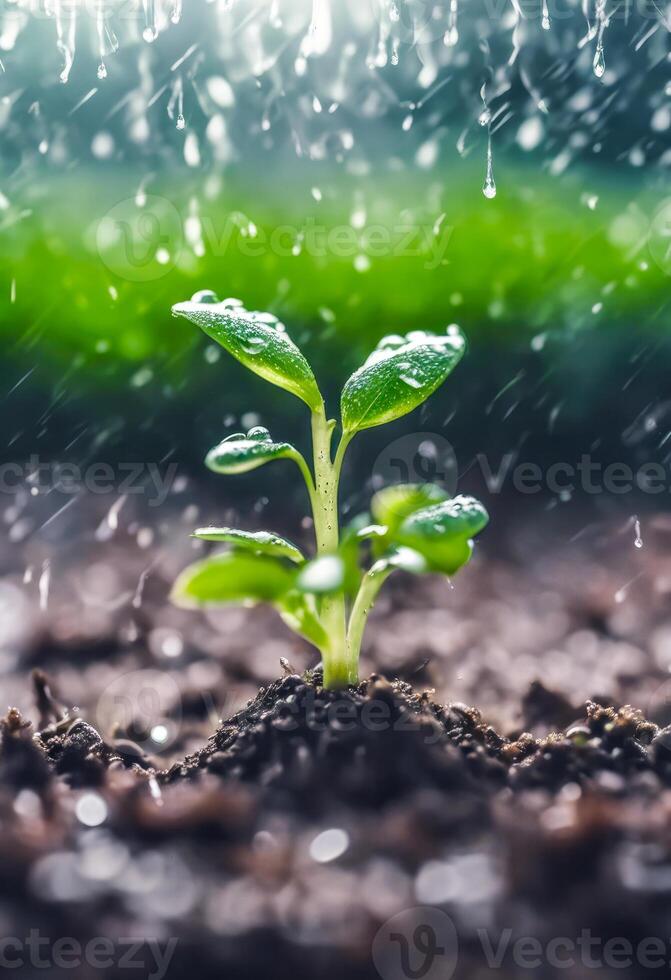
[[599, 63], [485, 116]]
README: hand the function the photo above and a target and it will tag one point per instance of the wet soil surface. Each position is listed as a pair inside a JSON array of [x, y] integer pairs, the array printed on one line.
[[390, 831], [369, 832]]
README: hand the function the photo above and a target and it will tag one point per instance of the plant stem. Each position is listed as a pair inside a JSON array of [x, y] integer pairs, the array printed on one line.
[[307, 476], [325, 513], [371, 584]]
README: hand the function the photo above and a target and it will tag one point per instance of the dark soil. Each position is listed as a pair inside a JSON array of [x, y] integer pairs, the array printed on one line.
[[312, 818], [288, 843]]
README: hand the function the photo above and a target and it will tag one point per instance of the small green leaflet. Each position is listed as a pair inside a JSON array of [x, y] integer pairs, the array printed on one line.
[[442, 533], [240, 453], [393, 504], [259, 542], [298, 612], [398, 376], [257, 340], [233, 577], [236, 577]]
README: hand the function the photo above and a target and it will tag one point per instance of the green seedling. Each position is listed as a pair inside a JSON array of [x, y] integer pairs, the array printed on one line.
[[417, 528]]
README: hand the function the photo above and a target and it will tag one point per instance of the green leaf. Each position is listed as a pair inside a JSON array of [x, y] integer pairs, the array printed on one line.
[[298, 612], [398, 376], [260, 542], [257, 340], [442, 533], [392, 505], [240, 453], [233, 577]]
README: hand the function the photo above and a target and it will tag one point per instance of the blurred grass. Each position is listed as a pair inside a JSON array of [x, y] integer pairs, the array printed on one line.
[[535, 258], [552, 280]]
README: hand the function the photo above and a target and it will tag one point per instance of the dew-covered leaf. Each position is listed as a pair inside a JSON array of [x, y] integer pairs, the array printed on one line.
[[443, 533], [393, 504], [233, 577], [257, 340], [398, 376], [240, 453], [260, 542]]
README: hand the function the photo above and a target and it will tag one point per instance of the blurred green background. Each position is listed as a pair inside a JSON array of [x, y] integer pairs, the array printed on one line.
[[346, 198], [557, 284]]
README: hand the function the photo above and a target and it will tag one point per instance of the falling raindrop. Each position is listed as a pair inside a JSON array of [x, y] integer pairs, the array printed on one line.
[[451, 34], [100, 26], [318, 38], [545, 17], [65, 38], [489, 186], [43, 585], [638, 540], [150, 33], [599, 62]]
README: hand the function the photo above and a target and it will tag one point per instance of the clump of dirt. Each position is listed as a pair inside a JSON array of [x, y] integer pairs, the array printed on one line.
[[312, 817]]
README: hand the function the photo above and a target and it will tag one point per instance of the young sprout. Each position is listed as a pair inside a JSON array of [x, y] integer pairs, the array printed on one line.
[[416, 527]]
